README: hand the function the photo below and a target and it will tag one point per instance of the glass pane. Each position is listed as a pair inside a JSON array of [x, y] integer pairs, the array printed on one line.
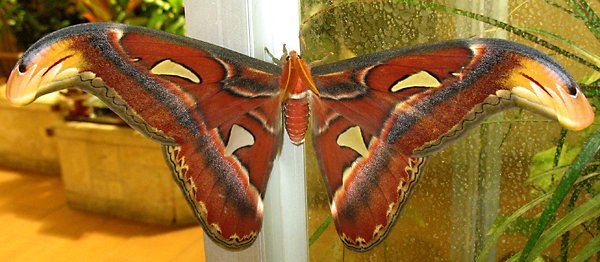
[[477, 181]]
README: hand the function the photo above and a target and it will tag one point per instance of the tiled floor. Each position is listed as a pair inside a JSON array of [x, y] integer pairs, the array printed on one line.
[[37, 225]]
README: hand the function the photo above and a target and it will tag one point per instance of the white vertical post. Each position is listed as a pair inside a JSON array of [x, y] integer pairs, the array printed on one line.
[[248, 26], [276, 23], [223, 23]]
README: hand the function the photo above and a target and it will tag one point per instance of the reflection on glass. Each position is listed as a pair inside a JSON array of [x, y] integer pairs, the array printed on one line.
[[475, 183]]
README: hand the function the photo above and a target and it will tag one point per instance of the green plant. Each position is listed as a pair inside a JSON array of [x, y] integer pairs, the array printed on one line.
[[166, 15], [30, 20]]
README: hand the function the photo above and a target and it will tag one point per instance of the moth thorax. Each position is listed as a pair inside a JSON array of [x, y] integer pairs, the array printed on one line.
[[296, 113]]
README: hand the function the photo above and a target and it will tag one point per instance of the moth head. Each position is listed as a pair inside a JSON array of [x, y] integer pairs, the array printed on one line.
[[44, 68], [544, 87], [302, 70]]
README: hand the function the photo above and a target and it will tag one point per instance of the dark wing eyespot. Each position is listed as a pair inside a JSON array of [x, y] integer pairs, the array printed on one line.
[[22, 68], [572, 91]]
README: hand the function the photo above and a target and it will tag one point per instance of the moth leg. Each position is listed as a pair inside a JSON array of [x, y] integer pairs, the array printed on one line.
[[284, 50], [273, 59], [285, 55], [278, 61]]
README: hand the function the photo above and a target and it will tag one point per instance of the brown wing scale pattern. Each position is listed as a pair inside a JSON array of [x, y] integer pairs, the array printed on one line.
[[411, 102], [185, 94], [217, 114]]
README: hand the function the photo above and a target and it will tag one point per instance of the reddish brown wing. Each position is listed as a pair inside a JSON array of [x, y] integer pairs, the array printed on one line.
[[379, 115], [215, 111]]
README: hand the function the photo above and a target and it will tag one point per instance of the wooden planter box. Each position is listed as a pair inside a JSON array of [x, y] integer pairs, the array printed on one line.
[[116, 171], [24, 143]]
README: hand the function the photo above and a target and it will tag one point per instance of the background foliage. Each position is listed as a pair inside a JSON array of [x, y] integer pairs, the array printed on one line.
[[29, 20]]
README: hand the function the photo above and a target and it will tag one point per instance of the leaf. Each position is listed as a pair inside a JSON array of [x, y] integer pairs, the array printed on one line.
[[587, 15], [176, 5], [313, 238], [589, 150], [521, 226], [542, 174], [588, 251], [587, 211], [593, 57], [512, 29], [500, 228]]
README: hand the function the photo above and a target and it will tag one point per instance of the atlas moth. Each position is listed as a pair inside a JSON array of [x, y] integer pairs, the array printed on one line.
[[219, 115]]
